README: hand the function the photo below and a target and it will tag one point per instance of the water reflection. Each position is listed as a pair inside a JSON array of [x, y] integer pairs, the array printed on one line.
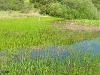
[[63, 51], [56, 51], [89, 45], [51, 51]]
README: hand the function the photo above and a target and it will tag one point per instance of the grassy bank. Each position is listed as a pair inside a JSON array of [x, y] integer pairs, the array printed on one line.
[[31, 32]]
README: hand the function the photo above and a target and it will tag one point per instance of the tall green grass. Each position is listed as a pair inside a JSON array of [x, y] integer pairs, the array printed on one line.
[[22, 31], [77, 63], [30, 32], [89, 22]]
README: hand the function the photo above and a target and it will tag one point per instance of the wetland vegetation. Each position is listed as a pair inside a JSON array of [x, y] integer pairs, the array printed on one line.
[[27, 34], [45, 40]]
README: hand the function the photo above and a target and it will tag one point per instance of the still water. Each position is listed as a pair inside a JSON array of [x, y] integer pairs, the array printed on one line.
[[62, 52], [88, 45]]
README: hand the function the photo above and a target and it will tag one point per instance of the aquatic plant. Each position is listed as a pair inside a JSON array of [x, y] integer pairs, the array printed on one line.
[[30, 33]]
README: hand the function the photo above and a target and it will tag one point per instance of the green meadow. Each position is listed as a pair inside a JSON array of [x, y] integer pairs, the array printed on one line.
[[49, 37], [24, 32], [36, 32], [89, 22], [32, 31]]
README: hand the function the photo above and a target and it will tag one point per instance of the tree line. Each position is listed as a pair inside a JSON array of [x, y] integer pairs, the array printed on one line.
[[11, 4], [69, 9]]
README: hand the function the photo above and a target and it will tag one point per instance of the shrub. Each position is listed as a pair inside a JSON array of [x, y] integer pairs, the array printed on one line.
[[11, 4], [70, 9], [56, 9], [81, 9]]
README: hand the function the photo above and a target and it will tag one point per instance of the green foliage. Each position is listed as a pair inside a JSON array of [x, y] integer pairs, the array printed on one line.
[[96, 4], [56, 9], [26, 7], [80, 9], [76, 63], [11, 4], [30, 32], [89, 22], [42, 5], [70, 9]]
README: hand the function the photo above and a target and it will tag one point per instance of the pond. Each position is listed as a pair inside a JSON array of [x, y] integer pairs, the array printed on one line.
[[92, 46], [60, 52], [88, 45]]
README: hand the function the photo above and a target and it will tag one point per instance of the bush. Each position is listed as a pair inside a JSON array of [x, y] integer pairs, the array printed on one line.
[[70, 9], [81, 9], [96, 4], [11, 4], [43, 10], [57, 9]]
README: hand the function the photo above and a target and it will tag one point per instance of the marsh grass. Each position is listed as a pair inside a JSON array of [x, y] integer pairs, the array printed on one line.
[[89, 22], [76, 63], [28, 33]]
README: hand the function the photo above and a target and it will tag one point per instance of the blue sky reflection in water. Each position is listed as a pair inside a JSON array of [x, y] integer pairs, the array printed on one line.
[[88, 45], [63, 51], [51, 52], [60, 52]]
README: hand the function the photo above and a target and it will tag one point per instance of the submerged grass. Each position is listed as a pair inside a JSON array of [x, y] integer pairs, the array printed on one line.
[[30, 32], [77, 63]]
